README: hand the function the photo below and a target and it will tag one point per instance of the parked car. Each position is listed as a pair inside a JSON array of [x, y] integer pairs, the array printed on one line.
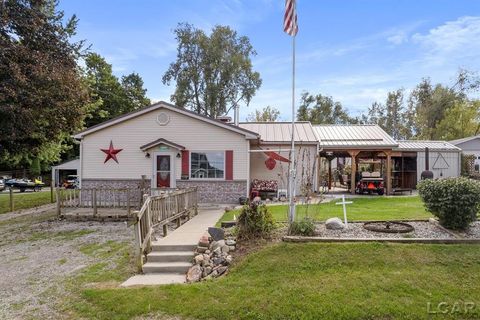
[[71, 182], [2, 184], [24, 184]]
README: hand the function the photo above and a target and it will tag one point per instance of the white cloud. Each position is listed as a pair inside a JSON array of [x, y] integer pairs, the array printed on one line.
[[455, 41], [398, 38]]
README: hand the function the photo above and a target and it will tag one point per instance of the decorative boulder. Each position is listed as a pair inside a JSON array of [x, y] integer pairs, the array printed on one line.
[[194, 274], [199, 259], [334, 224], [216, 233]]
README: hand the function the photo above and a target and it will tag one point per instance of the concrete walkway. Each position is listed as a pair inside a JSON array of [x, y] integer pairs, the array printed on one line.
[[186, 235]]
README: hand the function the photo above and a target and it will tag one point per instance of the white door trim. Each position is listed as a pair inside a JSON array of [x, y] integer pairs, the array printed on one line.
[[172, 168]]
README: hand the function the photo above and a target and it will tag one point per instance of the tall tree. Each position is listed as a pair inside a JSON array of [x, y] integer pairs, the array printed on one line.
[[267, 114], [461, 120], [213, 74], [111, 97], [321, 109], [394, 108], [132, 85], [42, 95]]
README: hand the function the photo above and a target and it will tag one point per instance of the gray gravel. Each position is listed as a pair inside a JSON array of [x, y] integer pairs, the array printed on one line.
[[35, 260], [473, 232], [356, 230]]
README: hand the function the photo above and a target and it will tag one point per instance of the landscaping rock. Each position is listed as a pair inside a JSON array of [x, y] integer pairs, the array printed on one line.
[[199, 259], [194, 274], [221, 270], [334, 224], [225, 249], [217, 244], [229, 259], [216, 233], [202, 249], [203, 242], [230, 242], [257, 199], [232, 248]]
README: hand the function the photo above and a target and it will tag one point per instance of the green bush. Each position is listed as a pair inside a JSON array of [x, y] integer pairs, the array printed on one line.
[[454, 201], [255, 221], [304, 227]]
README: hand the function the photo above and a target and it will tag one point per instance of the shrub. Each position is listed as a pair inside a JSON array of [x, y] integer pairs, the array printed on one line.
[[454, 201], [304, 227], [255, 221]]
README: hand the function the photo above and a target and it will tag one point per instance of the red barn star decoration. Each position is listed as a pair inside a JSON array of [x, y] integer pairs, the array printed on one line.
[[111, 153]]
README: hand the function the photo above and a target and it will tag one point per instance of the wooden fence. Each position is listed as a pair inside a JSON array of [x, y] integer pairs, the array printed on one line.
[[159, 210], [124, 199]]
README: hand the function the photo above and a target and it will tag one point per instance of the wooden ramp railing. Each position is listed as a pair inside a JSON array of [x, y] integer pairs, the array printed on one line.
[[159, 210], [120, 198]]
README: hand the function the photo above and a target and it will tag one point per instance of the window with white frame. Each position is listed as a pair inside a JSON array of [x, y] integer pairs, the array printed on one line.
[[207, 165]]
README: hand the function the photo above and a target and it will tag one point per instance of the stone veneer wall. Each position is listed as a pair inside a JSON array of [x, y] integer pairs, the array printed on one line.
[[114, 183], [217, 191], [107, 198]]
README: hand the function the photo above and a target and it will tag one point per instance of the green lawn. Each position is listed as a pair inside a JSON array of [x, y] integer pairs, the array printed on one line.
[[311, 281], [368, 208], [23, 200]]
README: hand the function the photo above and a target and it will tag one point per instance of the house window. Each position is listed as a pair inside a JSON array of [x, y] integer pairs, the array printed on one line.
[[207, 165]]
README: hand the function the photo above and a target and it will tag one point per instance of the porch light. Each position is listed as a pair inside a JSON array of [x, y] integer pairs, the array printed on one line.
[[147, 155], [179, 155]]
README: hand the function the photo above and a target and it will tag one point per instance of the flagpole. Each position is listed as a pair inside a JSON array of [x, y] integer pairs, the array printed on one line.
[[291, 214]]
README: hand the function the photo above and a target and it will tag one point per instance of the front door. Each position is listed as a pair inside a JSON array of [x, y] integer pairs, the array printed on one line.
[[163, 171]]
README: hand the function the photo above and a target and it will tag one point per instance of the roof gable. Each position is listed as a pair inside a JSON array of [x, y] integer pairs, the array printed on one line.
[[125, 117], [161, 141], [463, 140]]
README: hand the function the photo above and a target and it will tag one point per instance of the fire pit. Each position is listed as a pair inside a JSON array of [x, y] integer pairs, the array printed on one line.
[[388, 226]]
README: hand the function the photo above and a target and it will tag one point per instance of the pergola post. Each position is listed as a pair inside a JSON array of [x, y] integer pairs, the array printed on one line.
[[329, 158], [353, 155], [389, 172]]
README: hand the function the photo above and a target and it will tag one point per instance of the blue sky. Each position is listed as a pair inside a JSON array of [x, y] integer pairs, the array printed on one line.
[[353, 50]]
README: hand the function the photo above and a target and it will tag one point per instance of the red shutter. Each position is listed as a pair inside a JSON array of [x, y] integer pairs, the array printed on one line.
[[229, 165], [185, 163]]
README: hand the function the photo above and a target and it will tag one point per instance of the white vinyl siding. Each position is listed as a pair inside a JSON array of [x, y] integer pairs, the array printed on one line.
[[129, 135]]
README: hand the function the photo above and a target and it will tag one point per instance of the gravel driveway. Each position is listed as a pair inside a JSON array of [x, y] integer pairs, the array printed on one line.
[[38, 252]]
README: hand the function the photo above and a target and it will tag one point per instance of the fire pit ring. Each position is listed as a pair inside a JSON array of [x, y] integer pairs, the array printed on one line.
[[388, 226]]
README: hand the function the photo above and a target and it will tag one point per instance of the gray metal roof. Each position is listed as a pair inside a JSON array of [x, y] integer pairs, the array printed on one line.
[[420, 145], [355, 136], [281, 132], [460, 141]]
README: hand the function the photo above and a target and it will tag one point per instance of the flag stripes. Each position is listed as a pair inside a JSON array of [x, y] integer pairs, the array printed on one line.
[[290, 25]]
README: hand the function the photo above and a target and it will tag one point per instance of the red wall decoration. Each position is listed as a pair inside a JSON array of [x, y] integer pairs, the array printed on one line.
[[270, 163], [111, 153]]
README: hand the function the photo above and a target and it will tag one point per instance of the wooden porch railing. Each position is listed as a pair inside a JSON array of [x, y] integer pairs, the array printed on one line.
[[159, 210], [125, 199]]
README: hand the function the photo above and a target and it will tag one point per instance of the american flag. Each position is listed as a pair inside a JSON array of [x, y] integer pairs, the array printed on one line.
[[290, 25]]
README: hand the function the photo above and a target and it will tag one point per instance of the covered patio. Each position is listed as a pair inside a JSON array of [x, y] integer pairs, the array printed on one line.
[[356, 145]]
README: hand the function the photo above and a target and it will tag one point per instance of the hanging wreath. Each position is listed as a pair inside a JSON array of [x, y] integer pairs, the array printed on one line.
[[270, 163]]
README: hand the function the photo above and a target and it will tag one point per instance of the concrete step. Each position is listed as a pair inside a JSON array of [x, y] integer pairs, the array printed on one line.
[[170, 256], [154, 279], [173, 247], [166, 267]]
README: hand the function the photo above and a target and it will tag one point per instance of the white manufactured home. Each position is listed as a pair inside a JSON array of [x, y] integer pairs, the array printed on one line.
[[165, 146]]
